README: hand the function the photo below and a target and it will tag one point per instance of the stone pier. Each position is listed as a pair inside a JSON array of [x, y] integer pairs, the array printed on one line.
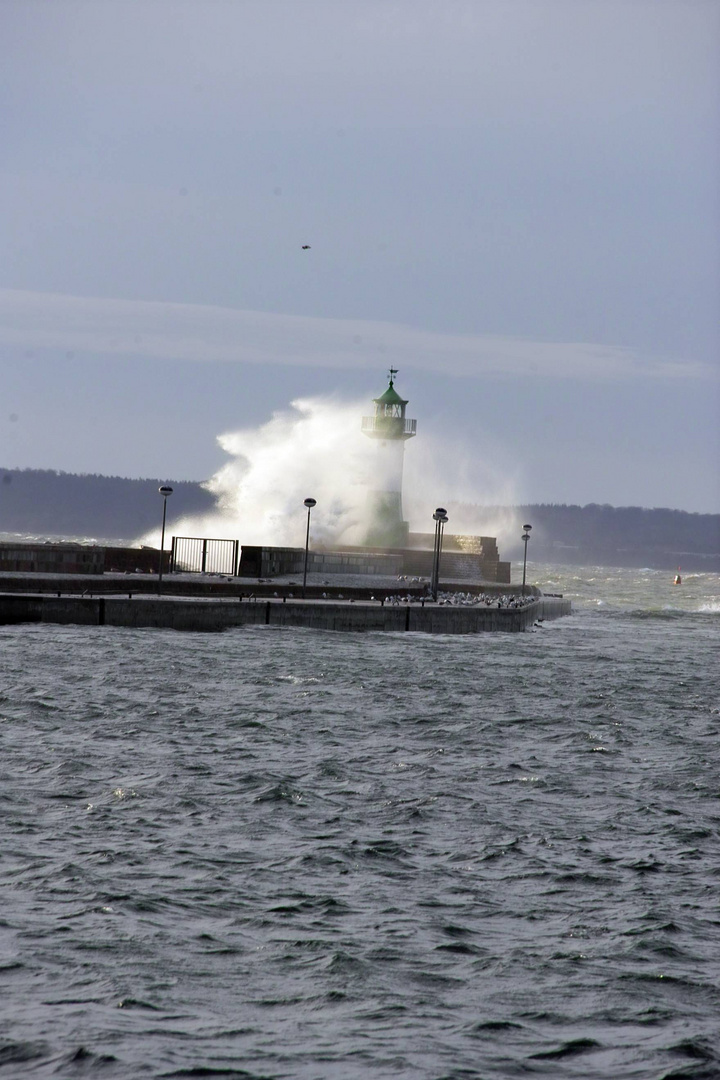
[[178, 613]]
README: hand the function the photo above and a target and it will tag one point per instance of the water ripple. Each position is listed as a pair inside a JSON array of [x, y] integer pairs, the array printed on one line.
[[313, 855]]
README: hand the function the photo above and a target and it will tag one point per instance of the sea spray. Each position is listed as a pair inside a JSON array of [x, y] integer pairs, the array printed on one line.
[[316, 448], [478, 486], [312, 449]]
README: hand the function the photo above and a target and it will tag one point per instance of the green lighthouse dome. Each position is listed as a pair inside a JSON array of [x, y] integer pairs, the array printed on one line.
[[389, 421], [390, 397]]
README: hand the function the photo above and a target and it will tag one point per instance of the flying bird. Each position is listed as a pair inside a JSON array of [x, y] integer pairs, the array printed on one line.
[[306, 247]]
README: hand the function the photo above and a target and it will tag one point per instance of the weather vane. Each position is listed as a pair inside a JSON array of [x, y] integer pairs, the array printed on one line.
[[393, 373]]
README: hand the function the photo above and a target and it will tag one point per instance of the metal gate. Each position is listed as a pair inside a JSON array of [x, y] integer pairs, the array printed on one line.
[[196, 555]]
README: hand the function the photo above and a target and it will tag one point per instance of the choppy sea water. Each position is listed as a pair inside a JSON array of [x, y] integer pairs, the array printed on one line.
[[297, 854]]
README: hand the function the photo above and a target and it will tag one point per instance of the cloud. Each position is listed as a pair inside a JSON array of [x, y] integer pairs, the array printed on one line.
[[313, 57], [200, 333]]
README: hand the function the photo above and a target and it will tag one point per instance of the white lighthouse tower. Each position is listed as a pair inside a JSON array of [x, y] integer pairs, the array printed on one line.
[[390, 429]]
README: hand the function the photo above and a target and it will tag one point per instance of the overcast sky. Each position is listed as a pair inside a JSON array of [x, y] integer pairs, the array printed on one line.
[[515, 203]]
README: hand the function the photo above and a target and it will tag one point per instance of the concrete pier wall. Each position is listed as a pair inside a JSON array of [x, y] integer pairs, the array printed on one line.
[[51, 559], [272, 561], [214, 615], [212, 587]]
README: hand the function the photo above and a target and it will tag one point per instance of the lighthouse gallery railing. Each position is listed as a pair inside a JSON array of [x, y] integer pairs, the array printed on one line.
[[388, 424]]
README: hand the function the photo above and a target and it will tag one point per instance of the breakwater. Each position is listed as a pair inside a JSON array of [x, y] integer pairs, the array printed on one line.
[[219, 585], [178, 613]]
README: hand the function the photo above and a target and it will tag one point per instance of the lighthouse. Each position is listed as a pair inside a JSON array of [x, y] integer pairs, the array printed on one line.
[[390, 430]]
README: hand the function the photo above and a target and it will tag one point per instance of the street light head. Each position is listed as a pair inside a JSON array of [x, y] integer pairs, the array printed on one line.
[[443, 518], [440, 511], [165, 491], [527, 528], [525, 537], [310, 503]]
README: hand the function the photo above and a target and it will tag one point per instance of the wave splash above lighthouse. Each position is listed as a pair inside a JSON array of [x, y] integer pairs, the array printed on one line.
[[390, 429]]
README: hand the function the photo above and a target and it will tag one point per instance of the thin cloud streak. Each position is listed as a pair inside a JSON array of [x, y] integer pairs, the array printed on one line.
[[198, 333]]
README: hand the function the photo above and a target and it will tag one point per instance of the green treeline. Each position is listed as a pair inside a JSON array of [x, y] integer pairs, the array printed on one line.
[[617, 535], [619, 524], [42, 502]]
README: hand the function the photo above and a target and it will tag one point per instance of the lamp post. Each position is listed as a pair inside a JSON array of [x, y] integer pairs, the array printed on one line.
[[443, 523], [525, 537], [309, 503], [439, 517], [165, 491]]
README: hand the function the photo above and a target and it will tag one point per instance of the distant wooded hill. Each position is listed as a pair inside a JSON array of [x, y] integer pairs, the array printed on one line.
[[614, 535], [45, 503], [42, 502]]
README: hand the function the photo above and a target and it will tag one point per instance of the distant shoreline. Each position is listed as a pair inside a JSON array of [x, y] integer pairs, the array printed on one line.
[[41, 504]]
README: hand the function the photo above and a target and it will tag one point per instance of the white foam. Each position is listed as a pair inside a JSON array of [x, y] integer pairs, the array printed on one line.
[[316, 448]]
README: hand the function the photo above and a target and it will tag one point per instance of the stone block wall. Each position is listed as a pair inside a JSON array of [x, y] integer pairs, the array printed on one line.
[[129, 560], [457, 566], [51, 559], [259, 562]]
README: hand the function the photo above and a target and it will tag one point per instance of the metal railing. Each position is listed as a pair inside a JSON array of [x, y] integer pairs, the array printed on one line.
[[389, 425], [198, 555]]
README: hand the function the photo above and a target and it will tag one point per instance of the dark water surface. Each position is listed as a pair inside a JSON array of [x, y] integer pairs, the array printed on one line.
[[285, 853]]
